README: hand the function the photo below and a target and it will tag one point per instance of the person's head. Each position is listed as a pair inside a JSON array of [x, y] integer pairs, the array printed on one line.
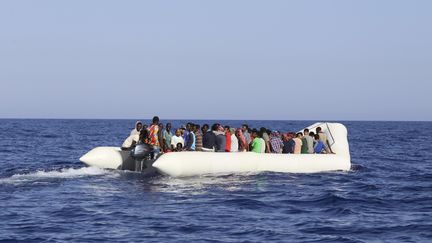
[[245, 128], [155, 120], [179, 146], [312, 134], [144, 127], [214, 127], [226, 129], [232, 130], [189, 126], [197, 128], [144, 135], [299, 135], [316, 136], [306, 132], [205, 128], [138, 125], [255, 133], [178, 132], [268, 131], [168, 126], [161, 126], [318, 129]]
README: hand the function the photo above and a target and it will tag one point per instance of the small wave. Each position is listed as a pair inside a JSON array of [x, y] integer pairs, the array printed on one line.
[[54, 174]]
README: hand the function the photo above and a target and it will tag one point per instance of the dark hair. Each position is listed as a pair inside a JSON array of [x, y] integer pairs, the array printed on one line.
[[256, 131], [312, 134], [206, 125], [144, 134], [179, 146], [306, 130], [299, 134], [214, 127], [316, 136], [169, 123], [268, 131], [197, 126], [318, 129], [246, 126], [155, 119], [160, 124], [227, 127]]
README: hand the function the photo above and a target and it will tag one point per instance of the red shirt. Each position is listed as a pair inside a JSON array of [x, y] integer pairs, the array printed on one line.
[[228, 142]]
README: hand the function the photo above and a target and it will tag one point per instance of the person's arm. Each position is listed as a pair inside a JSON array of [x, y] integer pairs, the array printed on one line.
[[328, 144]]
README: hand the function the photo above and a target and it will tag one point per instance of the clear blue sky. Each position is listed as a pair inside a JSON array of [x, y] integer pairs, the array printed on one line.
[[320, 60]]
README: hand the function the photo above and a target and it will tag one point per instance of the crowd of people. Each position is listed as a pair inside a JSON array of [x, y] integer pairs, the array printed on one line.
[[219, 138]]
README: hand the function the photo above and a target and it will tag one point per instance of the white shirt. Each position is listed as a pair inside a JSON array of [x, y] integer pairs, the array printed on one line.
[[129, 141], [263, 147], [175, 140], [234, 143]]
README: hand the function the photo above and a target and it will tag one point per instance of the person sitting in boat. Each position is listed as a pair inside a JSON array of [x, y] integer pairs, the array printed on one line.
[[142, 151], [179, 147], [176, 139], [137, 129], [258, 143], [209, 139], [323, 138], [130, 142], [319, 147]]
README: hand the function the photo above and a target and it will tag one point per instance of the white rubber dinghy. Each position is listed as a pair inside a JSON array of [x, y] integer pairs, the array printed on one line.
[[198, 163]]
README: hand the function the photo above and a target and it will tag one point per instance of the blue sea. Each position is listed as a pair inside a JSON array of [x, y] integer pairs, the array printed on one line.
[[48, 195]]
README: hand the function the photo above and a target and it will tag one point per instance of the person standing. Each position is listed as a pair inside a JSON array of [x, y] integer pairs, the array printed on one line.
[[257, 143], [227, 138], [198, 138], [154, 134], [220, 139], [243, 146], [298, 143], [276, 142], [245, 131], [234, 141], [308, 142], [190, 142], [167, 135], [209, 140], [266, 138]]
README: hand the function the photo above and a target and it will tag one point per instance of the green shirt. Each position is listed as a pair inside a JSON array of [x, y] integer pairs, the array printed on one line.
[[304, 147], [256, 145], [167, 136]]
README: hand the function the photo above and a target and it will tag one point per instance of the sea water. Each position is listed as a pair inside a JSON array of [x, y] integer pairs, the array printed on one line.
[[47, 194]]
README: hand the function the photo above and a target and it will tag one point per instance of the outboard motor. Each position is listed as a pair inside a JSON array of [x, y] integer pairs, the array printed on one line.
[[143, 152]]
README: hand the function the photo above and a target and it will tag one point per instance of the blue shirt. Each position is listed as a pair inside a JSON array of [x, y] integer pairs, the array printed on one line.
[[319, 147]]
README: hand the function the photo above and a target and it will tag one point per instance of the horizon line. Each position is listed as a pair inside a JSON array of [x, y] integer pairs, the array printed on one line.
[[206, 119]]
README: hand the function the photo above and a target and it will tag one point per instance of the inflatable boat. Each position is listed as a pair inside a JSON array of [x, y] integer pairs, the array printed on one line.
[[182, 164]]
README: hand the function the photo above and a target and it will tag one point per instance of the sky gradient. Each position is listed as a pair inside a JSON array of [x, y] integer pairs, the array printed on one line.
[[285, 60]]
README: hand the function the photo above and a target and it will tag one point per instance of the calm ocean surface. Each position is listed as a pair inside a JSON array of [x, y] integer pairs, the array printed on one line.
[[47, 194]]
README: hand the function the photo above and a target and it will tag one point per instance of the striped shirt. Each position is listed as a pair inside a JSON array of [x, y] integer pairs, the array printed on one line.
[[198, 141]]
